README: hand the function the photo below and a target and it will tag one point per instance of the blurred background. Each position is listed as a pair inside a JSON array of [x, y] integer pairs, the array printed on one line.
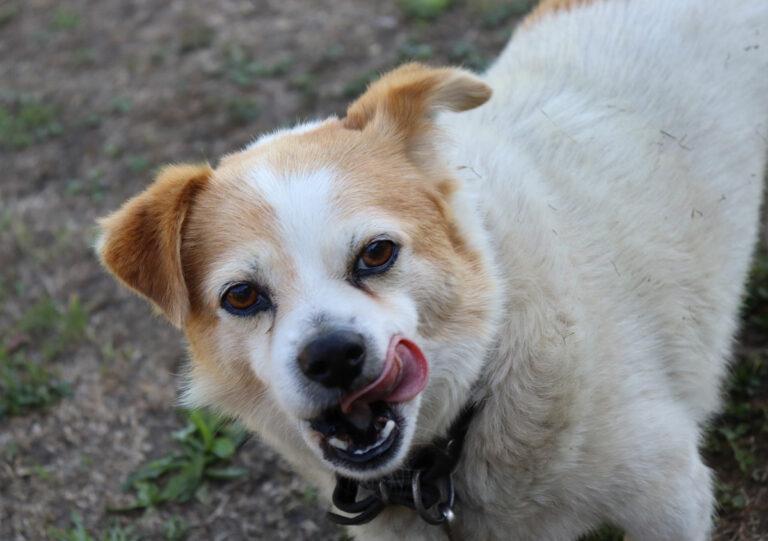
[[94, 97]]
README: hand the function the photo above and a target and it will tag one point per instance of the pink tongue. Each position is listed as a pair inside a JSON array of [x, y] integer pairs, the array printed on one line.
[[404, 376]]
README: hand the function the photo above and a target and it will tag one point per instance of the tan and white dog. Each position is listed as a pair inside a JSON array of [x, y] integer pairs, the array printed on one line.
[[571, 252]]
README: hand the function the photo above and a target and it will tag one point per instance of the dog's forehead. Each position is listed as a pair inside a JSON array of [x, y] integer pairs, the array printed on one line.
[[305, 198]]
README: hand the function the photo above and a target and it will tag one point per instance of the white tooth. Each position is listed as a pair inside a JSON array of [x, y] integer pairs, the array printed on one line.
[[336, 442], [387, 430]]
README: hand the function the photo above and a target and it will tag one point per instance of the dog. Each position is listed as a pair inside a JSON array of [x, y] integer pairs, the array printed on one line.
[[485, 307]]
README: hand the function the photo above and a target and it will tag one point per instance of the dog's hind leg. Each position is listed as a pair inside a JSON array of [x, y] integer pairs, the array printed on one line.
[[677, 505]]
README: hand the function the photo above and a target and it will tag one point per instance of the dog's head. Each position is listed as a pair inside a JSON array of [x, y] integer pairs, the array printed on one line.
[[321, 274]]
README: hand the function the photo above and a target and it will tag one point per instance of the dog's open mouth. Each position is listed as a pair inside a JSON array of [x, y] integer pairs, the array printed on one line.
[[365, 429], [363, 439]]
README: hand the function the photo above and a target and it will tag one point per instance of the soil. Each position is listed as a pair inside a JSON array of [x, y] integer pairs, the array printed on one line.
[[126, 86]]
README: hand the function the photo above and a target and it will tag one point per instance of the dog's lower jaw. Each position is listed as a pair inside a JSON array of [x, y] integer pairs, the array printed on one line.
[[405, 416]]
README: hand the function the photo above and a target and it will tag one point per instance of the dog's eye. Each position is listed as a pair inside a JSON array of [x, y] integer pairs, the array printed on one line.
[[377, 257], [244, 299]]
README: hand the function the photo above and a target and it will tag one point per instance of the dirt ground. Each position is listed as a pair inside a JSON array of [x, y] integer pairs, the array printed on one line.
[[94, 95]]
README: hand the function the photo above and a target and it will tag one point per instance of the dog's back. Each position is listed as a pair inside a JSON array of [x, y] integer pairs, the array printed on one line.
[[638, 132]]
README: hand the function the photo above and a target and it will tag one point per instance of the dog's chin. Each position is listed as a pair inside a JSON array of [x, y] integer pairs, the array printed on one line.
[[368, 443]]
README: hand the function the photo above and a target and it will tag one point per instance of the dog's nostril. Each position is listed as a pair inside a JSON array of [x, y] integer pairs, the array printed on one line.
[[355, 353], [333, 359]]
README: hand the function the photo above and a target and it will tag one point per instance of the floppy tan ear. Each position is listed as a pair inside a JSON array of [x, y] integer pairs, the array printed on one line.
[[403, 102], [141, 242]]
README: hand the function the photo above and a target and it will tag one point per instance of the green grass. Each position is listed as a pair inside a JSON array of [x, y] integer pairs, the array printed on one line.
[[26, 385], [497, 13], [43, 333], [65, 19], [424, 9], [26, 122], [357, 86], [78, 532], [243, 70], [242, 111], [175, 529], [756, 303], [414, 51], [469, 56], [8, 13], [206, 446]]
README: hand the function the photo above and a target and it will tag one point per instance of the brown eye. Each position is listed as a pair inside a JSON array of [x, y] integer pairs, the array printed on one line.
[[244, 299], [377, 257]]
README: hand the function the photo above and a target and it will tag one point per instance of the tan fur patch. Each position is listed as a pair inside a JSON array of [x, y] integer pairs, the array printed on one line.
[[547, 7], [375, 172], [141, 241]]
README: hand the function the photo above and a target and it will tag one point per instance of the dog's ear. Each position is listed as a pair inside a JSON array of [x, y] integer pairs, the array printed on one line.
[[403, 102], [141, 242]]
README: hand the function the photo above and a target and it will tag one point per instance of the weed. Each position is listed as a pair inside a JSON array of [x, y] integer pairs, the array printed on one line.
[[310, 496], [42, 473], [415, 51], [26, 385], [10, 451], [26, 122], [176, 529], [424, 9], [8, 12], [756, 303], [196, 35], [78, 532], [84, 56], [121, 105], [53, 328], [241, 111], [242, 70], [207, 443], [357, 86], [730, 498], [495, 13], [25, 382], [65, 19], [467, 55], [138, 163]]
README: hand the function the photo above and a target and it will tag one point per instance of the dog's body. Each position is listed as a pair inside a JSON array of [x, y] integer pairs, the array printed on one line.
[[585, 264]]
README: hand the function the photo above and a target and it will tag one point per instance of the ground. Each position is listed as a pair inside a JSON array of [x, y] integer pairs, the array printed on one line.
[[94, 96]]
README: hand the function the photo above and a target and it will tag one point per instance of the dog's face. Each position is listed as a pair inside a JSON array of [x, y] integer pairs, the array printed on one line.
[[322, 272]]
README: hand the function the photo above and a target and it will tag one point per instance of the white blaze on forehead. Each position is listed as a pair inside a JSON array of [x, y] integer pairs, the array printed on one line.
[[303, 204]]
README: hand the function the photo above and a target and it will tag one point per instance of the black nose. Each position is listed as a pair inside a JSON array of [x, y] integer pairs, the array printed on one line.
[[333, 359]]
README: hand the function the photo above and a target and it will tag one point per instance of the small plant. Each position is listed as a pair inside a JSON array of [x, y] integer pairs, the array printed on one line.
[[242, 70], [756, 302], [26, 383], [468, 56], [495, 13], [415, 51], [357, 86], [424, 9], [54, 329], [26, 122], [207, 443], [242, 111], [8, 12], [78, 532], [65, 19], [176, 529]]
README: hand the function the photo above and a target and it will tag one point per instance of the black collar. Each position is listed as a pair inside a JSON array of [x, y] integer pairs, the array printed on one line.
[[424, 484]]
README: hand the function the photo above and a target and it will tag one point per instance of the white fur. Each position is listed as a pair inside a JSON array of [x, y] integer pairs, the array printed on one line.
[[613, 182], [619, 170]]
